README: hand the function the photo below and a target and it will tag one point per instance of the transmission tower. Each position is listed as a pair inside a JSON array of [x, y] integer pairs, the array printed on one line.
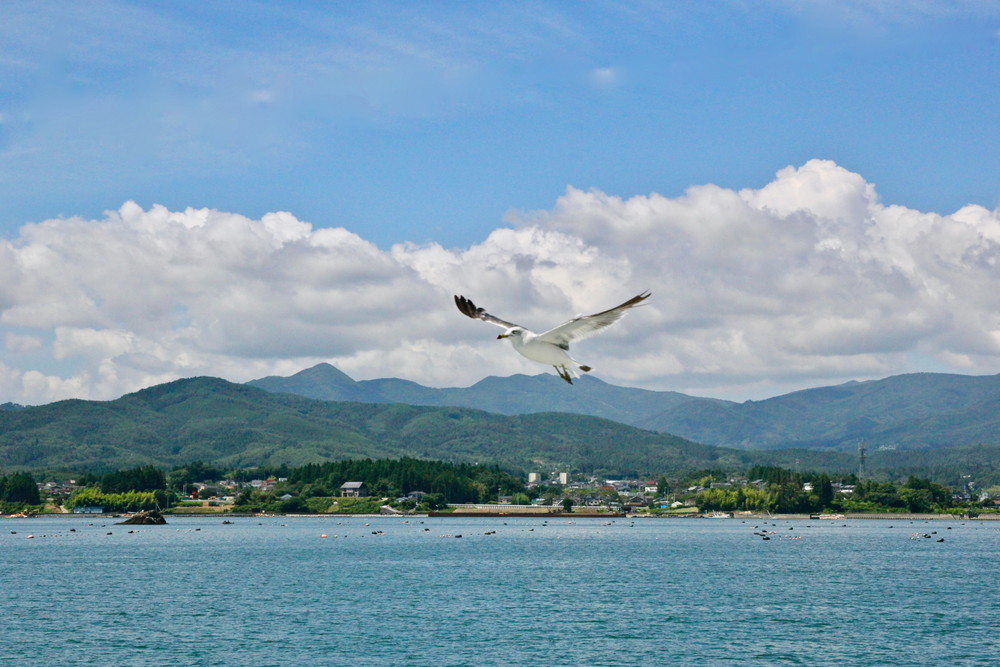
[[862, 450]]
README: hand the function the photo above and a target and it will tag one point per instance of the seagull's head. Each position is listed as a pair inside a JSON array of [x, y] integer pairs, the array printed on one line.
[[514, 332]]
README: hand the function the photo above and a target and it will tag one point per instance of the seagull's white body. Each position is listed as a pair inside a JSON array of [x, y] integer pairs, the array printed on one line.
[[536, 348], [552, 346]]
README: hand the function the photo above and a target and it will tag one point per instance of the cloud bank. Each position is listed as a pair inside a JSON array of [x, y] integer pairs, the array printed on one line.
[[808, 280]]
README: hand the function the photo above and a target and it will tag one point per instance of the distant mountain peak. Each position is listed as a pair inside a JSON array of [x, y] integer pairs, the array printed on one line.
[[323, 381], [916, 409]]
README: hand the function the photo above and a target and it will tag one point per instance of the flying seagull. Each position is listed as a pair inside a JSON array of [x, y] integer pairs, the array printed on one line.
[[552, 346]]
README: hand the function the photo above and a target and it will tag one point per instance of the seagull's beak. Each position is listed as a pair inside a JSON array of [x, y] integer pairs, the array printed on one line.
[[503, 335]]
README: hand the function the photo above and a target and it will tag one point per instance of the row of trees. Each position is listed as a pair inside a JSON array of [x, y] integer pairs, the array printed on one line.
[[314, 487], [916, 495], [126, 501], [144, 478], [785, 491], [392, 478], [18, 491]]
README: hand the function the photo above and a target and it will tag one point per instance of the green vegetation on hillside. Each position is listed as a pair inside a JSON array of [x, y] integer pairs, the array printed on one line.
[[229, 426], [235, 426]]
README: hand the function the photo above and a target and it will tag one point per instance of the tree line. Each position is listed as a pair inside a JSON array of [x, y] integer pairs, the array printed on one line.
[[144, 478], [17, 491], [316, 488], [788, 492], [312, 487], [457, 482]]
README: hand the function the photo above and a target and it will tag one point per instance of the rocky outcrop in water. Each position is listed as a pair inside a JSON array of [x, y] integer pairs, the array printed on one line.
[[150, 518]]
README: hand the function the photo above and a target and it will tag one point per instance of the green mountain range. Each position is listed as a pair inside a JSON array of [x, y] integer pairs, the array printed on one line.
[[914, 411], [233, 425]]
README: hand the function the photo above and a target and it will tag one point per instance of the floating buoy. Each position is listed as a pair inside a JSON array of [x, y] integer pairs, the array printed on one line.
[[30, 537], [323, 536]]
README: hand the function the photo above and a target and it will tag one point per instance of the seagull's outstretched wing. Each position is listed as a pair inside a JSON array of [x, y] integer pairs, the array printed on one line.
[[468, 308], [587, 325]]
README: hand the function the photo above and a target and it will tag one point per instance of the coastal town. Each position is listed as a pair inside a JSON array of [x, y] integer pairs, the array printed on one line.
[[552, 493]]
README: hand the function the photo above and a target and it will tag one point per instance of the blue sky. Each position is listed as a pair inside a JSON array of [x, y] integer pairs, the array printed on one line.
[[417, 121], [430, 127]]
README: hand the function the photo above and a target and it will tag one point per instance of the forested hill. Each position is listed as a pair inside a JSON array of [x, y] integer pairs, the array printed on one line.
[[234, 425], [914, 411], [919, 410]]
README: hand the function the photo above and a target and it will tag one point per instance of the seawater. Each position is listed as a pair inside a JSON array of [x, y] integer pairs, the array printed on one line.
[[509, 591]]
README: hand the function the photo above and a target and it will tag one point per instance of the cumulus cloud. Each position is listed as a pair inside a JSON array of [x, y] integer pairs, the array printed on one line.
[[807, 280], [21, 344]]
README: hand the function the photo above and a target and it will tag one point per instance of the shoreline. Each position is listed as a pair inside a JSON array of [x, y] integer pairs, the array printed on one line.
[[865, 516]]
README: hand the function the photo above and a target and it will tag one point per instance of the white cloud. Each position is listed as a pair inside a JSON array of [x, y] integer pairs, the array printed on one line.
[[808, 277], [21, 344], [807, 280]]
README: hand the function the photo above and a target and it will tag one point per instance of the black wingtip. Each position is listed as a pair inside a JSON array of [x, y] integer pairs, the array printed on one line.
[[637, 300], [466, 307]]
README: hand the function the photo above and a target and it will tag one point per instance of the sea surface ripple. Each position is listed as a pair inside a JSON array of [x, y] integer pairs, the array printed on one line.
[[509, 591]]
